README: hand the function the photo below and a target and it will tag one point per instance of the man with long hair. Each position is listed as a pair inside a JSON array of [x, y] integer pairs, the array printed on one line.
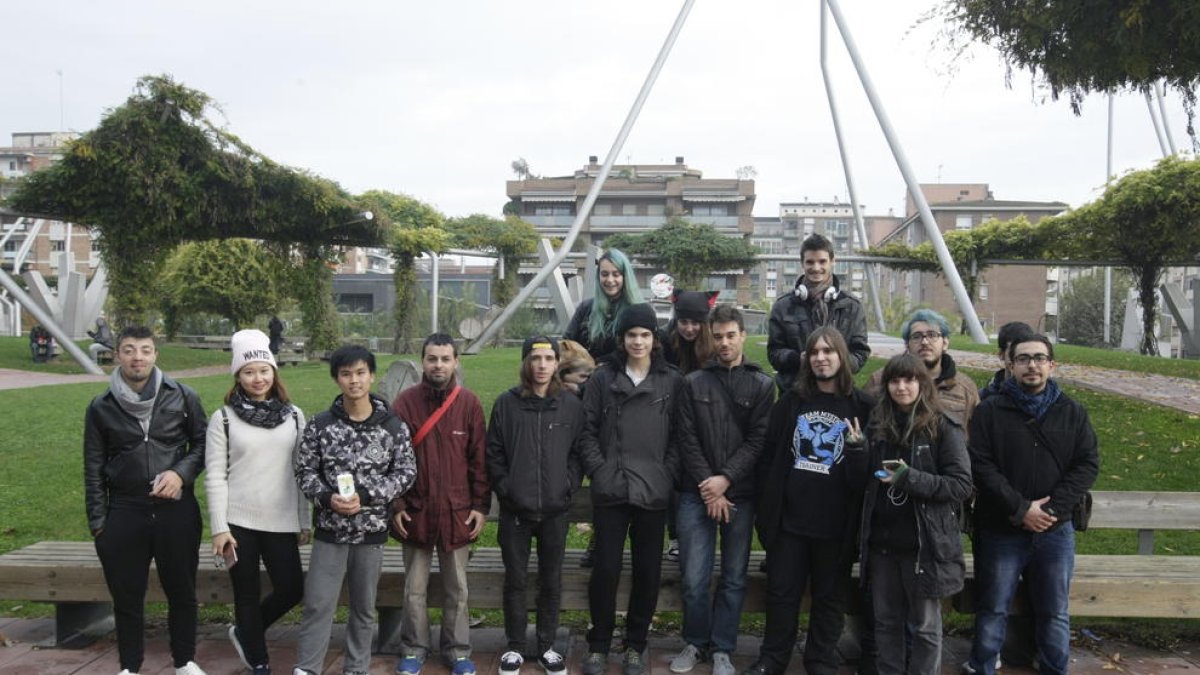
[[809, 504], [534, 470]]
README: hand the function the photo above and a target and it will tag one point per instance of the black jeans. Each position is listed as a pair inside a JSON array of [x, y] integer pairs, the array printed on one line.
[[167, 532], [645, 531], [280, 555], [795, 562], [515, 536]]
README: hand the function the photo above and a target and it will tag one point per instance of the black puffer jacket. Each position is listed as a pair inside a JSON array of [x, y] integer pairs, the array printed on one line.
[[1016, 459], [792, 321], [628, 444], [532, 459], [119, 461], [939, 481], [715, 439]]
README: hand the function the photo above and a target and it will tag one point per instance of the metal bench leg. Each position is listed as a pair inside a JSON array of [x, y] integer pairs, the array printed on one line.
[[79, 624]]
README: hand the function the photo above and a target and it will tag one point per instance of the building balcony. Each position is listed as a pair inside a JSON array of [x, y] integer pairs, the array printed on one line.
[[550, 222]]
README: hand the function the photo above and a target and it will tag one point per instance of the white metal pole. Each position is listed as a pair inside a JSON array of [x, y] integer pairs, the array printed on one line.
[[910, 178], [585, 209], [1158, 132], [872, 271], [433, 296], [1108, 174], [1162, 111]]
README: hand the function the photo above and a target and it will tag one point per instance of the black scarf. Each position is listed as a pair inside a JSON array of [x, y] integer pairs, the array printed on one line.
[[267, 414]]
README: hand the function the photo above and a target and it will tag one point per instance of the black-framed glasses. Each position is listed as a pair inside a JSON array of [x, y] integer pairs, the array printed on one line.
[[1026, 359], [918, 338]]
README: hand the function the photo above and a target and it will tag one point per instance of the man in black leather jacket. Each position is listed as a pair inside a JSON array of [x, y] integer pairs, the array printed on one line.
[[143, 448]]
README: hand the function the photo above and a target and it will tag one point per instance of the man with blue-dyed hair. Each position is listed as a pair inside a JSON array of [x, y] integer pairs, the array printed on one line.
[[926, 335]]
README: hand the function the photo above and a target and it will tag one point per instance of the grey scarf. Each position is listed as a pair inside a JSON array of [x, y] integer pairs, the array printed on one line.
[[140, 405]]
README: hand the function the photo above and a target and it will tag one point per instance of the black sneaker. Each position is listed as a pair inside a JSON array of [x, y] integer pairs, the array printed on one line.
[[552, 662], [588, 556], [595, 663], [633, 663]]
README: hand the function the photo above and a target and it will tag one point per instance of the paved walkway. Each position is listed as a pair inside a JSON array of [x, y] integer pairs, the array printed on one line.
[[1172, 392], [19, 655]]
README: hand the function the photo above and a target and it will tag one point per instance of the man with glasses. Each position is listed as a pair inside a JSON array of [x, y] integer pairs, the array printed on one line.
[[1004, 337], [927, 336], [1034, 457]]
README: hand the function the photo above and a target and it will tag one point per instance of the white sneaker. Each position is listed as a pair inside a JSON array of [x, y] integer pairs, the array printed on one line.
[[510, 663], [686, 659], [126, 671], [721, 665], [190, 668]]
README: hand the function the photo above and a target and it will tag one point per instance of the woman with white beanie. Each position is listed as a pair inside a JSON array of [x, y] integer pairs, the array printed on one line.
[[256, 510]]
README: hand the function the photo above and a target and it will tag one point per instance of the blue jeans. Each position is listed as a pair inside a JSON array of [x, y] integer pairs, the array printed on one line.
[[1046, 561], [710, 621]]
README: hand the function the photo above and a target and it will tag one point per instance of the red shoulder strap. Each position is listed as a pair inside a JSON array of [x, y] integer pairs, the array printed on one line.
[[437, 415]]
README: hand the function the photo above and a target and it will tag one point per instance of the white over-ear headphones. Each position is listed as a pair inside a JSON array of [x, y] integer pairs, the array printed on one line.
[[801, 291]]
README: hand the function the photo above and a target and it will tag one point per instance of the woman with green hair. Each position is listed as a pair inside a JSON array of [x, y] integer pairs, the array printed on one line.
[[595, 320]]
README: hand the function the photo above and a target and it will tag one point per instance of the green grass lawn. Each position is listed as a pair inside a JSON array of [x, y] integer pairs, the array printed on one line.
[[1143, 447]]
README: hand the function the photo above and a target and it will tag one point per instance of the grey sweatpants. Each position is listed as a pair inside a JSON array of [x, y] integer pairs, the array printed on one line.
[[359, 565]]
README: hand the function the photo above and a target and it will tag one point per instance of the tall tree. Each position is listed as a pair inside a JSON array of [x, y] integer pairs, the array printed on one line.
[[1147, 219], [689, 251], [158, 171], [415, 228], [1078, 47], [233, 278]]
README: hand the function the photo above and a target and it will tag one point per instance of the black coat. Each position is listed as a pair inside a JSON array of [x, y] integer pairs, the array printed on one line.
[[939, 481], [628, 444], [532, 459], [1016, 460], [792, 322], [120, 461], [715, 439], [577, 330]]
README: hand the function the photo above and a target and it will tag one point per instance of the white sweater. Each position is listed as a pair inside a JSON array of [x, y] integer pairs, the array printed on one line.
[[249, 480]]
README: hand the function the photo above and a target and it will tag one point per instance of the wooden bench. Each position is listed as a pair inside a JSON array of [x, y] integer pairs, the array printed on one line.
[[68, 574]]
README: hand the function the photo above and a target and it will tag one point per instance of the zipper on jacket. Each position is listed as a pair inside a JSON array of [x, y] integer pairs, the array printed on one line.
[[540, 442]]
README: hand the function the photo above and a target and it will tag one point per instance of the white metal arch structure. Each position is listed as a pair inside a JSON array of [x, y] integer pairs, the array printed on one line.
[[935, 236]]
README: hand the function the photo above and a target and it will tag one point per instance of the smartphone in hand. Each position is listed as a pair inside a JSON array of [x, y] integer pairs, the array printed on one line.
[[227, 558]]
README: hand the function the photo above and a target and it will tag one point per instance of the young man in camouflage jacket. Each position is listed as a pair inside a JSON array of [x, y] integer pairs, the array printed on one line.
[[354, 459]]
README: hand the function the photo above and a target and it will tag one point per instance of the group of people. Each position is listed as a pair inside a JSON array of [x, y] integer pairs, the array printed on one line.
[[673, 424]]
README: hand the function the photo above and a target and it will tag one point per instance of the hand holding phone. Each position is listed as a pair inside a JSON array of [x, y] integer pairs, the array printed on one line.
[[227, 558]]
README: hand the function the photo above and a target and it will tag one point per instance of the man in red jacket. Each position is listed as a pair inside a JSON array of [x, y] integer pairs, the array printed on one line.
[[446, 507]]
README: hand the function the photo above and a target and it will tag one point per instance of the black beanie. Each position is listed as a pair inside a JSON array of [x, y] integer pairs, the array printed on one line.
[[539, 342], [694, 305], [641, 315]]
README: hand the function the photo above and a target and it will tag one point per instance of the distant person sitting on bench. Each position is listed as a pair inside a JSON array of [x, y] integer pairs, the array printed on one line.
[[102, 340], [41, 344]]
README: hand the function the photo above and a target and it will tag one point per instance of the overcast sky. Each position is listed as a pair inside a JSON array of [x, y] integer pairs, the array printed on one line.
[[435, 99]]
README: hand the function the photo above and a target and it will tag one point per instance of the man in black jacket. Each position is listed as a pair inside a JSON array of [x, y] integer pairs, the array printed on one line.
[[143, 447], [628, 450], [534, 470], [723, 413], [815, 301], [1034, 457]]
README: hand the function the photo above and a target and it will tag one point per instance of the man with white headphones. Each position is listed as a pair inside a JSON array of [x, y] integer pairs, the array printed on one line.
[[815, 301]]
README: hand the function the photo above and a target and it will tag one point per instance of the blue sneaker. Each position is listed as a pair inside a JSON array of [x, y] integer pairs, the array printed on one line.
[[410, 665], [463, 666]]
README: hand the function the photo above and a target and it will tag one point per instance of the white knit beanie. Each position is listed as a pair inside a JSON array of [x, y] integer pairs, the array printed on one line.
[[248, 346]]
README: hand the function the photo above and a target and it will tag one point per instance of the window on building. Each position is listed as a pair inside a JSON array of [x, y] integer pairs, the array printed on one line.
[[10, 246], [963, 222], [96, 245], [602, 210], [629, 209], [355, 303], [12, 166], [552, 210], [710, 210], [58, 246], [656, 210]]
